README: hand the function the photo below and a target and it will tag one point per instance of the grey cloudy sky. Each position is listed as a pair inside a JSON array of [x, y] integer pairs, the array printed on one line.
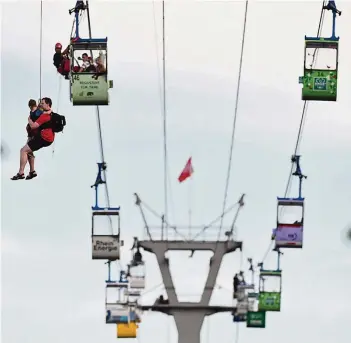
[[51, 290]]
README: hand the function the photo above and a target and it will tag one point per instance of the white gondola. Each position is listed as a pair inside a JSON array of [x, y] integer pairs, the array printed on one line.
[[105, 246], [137, 277], [242, 306], [246, 286], [253, 301], [244, 301], [116, 301], [117, 313], [133, 292], [241, 292]]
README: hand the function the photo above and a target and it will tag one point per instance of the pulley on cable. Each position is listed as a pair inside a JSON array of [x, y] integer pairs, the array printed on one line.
[[89, 82], [321, 84]]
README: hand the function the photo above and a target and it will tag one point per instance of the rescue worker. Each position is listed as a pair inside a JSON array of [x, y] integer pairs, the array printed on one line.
[[61, 60], [43, 137]]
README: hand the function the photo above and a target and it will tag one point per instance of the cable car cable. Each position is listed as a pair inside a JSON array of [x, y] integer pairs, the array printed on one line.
[[165, 151], [234, 119], [100, 131], [305, 106], [302, 121]]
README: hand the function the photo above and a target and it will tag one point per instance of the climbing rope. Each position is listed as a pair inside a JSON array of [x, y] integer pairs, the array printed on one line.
[[40, 47], [57, 107]]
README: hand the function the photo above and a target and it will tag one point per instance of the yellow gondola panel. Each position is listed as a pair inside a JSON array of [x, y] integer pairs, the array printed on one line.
[[127, 330]]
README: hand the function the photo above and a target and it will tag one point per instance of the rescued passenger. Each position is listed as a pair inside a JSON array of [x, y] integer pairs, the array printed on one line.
[[43, 137], [34, 114]]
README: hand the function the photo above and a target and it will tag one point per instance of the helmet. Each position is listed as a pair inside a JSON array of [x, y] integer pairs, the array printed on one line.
[[58, 46]]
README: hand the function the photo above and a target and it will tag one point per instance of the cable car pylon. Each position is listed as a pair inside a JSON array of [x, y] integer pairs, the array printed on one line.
[[188, 330]]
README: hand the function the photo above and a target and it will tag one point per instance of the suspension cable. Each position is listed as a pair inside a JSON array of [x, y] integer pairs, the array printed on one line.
[[234, 120], [100, 132], [40, 47], [165, 155], [302, 121]]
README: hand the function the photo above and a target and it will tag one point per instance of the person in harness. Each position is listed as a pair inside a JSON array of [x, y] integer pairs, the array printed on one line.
[[34, 113], [45, 128], [61, 60]]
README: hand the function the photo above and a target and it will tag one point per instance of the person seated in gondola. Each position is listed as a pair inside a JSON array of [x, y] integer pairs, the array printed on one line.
[[100, 68], [91, 68], [87, 65]]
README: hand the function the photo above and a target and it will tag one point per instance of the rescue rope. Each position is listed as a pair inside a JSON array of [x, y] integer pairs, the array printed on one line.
[[60, 81], [57, 107], [302, 121], [40, 47]]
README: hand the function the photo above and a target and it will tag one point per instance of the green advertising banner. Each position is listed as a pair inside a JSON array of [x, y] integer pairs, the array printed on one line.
[[319, 85], [256, 319], [269, 301], [87, 90]]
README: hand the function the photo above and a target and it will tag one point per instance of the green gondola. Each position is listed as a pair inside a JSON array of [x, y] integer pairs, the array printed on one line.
[[321, 84], [270, 295]]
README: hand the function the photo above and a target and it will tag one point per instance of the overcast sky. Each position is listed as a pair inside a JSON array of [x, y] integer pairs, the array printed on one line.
[[51, 289]]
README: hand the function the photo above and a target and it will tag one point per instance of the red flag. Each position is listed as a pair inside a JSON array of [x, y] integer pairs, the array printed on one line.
[[187, 171]]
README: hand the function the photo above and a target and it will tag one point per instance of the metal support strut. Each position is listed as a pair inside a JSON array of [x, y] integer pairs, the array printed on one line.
[[296, 159], [278, 259], [99, 181], [109, 272], [80, 6], [331, 6], [122, 275]]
